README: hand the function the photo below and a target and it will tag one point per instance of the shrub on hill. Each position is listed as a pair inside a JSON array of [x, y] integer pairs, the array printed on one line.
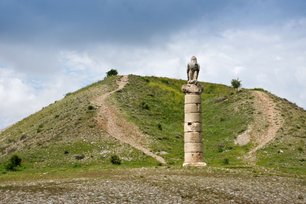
[[115, 160], [13, 162]]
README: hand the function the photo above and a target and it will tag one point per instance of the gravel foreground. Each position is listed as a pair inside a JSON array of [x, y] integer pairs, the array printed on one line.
[[157, 186]]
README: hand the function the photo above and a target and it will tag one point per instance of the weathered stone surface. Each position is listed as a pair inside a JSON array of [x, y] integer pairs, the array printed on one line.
[[193, 157], [192, 98], [192, 88], [192, 108], [193, 69], [192, 137], [195, 164], [193, 147], [192, 127], [193, 117]]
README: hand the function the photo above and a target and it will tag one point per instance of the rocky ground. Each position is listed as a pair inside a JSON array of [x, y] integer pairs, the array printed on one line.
[[157, 186]]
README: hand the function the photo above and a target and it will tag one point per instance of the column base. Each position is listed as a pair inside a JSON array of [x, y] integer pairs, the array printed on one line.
[[195, 164]]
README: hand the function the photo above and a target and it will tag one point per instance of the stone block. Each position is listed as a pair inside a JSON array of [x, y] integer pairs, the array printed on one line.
[[193, 117], [192, 88], [192, 108], [192, 137], [193, 157], [194, 164], [193, 147], [193, 127], [192, 98]]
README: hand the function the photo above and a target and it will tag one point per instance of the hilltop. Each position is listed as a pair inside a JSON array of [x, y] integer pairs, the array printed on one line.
[[139, 119]]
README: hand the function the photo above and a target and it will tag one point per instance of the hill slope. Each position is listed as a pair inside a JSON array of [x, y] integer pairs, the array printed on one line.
[[141, 121], [65, 130]]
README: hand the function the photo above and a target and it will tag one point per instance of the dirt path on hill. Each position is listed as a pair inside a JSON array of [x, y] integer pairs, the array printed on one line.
[[116, 126], [267, 122]]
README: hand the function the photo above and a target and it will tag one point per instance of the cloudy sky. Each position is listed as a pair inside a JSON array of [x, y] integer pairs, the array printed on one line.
[[51, 47]]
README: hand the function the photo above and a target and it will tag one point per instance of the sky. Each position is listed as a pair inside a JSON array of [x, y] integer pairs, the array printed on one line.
[[51, 47]]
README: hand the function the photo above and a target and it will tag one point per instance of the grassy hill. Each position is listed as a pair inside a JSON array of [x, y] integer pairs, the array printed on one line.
[[60, 135], [288, 151], [156, 106], [54, 136]]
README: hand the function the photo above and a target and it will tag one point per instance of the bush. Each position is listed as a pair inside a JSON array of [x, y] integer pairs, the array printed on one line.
[[160, 126], [165, 81], [145, 106], [23, 137], [115, 160], [300, 149], [226, 161], [90, 107], [68, 94], [112, 72], [236, 83], [13, 162], [79, 156], [259, 89], [221, 148]]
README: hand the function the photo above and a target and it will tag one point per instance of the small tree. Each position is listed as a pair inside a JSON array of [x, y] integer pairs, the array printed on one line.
[[111, 72], [236, 83]]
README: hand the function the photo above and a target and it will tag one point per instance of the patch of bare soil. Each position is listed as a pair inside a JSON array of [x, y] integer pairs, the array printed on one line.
[[267, 122], [114, 123], [244, 138]]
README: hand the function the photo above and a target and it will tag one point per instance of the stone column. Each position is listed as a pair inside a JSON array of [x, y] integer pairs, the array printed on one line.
[[193, 147]]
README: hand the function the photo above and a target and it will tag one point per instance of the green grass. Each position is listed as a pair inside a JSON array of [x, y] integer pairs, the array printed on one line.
[[156, 105]]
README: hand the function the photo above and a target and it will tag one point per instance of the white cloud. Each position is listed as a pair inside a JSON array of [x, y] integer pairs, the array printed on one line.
[[16, 97], [79, 61], [32, 60], [269, 57], [19, 97], [260, 57]]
